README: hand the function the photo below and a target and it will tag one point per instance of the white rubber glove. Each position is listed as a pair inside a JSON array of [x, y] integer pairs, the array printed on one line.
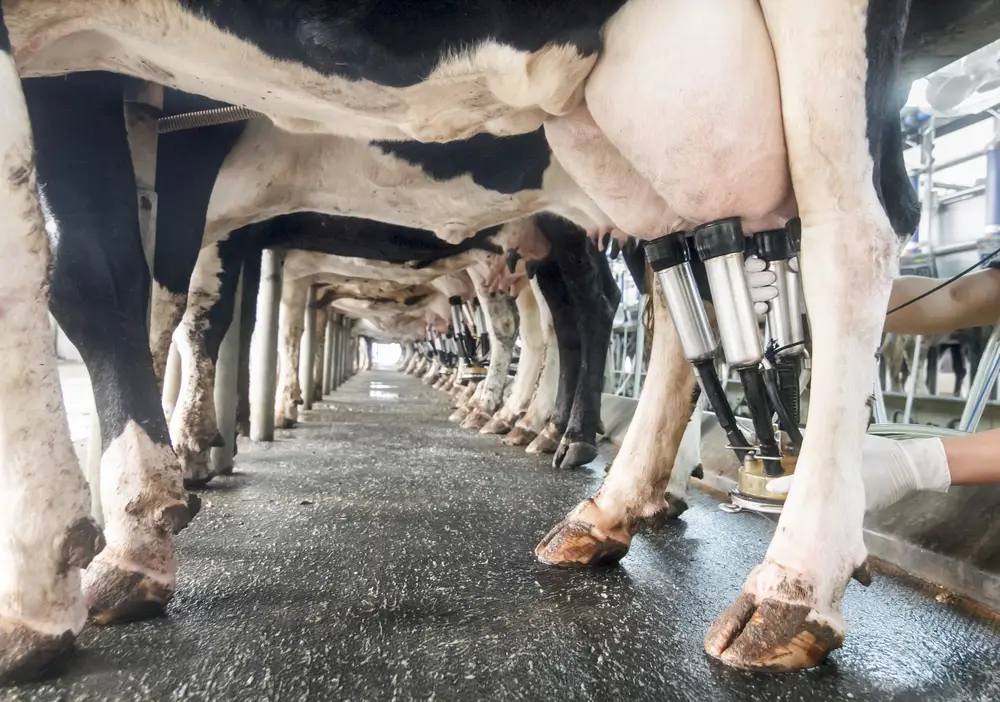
[[890, 470], [761, 284]]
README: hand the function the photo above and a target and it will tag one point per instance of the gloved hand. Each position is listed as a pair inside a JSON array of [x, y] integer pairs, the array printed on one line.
[[891, 469], [761, 283]]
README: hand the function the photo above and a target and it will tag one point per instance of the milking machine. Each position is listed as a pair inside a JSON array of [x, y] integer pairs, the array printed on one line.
[[769, 372], [463, 322]]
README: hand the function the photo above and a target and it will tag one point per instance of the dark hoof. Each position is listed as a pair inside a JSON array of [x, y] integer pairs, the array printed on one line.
[[26, 654], [519, 436], [286, 423], [574, 454], [116, 595], [174, 518], [82, 542], [217, 441], [198, 482], [676, 506], [698, 472]]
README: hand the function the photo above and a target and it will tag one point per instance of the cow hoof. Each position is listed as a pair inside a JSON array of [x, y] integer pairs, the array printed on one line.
[[119, 593], [496, 425], [577, 541], [475, 420], [519, 436], [25, 654], [545, 442], [285, 423], [769, 633], [176, 516], [458, 415], [573, 454], [676, 506]]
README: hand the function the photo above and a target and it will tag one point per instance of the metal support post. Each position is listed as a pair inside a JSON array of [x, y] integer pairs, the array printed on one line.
[[979, 388], [914, 379], [640, 347], [329, 351], [993, 183], [264, 348], [928, 207], [227, 389], [307, 351]]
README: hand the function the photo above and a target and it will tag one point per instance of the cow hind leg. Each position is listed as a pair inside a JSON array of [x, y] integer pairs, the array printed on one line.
[[599, 530], [46, 533], [788, 615], [211, 300], [564, 318], [502, 314], [99, 295]]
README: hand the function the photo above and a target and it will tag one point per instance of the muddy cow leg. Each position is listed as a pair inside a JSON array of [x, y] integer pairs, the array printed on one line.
[[543, 397], [600, 529], [99, 295], [501, 313], [788, 615], [211, 299], [46, 533], [564, 319], [528, 368]]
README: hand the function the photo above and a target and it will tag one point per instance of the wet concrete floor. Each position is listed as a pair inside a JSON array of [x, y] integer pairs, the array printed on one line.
[[379, 552]]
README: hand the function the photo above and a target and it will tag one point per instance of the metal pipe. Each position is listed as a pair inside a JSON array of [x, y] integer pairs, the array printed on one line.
[[942, 165], [205, 118], [881, 416], [961, 195], [307, 350], [982, 384], [328, 351], [640, 350], [264, 348], [925, 233], [226, 389], [911, 391]]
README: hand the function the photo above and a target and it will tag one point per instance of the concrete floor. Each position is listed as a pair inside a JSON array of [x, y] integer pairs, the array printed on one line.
[[379, 552]]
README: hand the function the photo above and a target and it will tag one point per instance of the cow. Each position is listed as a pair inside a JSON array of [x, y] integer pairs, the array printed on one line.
[[434, 72]]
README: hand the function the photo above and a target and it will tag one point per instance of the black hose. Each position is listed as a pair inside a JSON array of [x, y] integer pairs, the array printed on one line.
[[712, 387], [785, 417], [760, 412]]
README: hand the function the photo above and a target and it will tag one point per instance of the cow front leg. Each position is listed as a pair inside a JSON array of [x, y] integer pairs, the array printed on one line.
[[599, 530], [788, 615], [46, 533]]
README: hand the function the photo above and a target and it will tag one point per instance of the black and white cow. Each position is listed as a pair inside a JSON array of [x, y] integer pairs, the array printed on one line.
[[677, 142]]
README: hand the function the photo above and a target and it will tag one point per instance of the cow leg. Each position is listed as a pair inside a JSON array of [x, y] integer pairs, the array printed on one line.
[[595, 298], [600, 529], [99, 295], [564, 318], [46, 533], [788, 615], [528, 367], [293, 310], [319, 350], [211, 299], [543, 399], [501, 312]]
